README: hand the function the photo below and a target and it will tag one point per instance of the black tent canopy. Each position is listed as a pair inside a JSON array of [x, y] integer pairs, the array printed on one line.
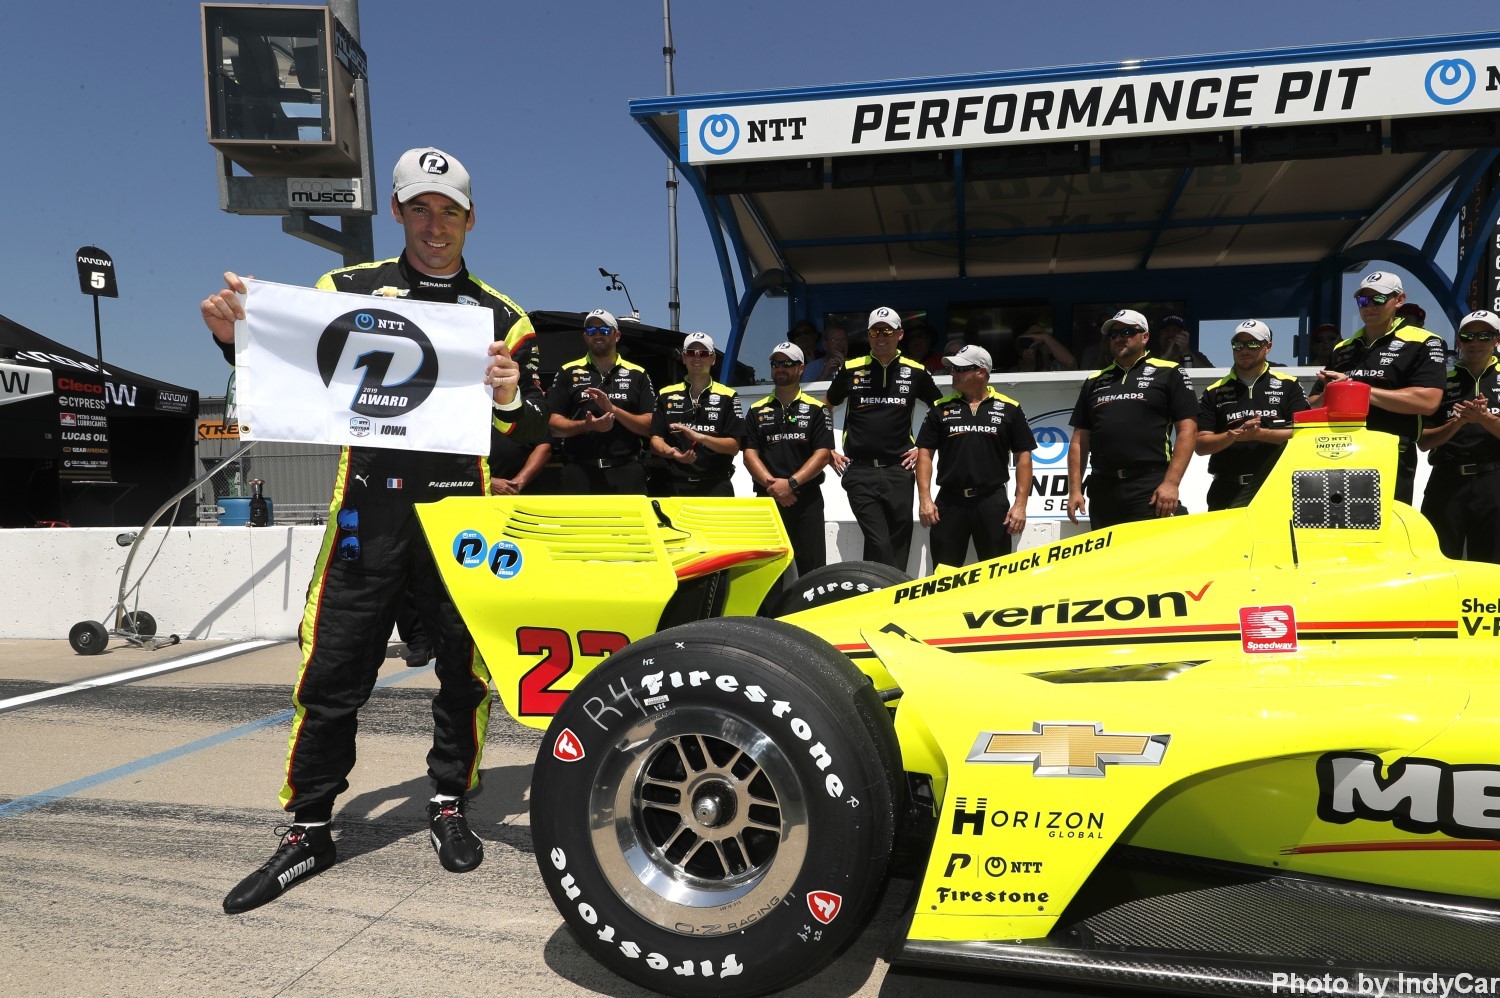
[[84, 443]]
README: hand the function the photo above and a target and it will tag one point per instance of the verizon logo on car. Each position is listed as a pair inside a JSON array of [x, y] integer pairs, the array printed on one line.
[[1268, 629]]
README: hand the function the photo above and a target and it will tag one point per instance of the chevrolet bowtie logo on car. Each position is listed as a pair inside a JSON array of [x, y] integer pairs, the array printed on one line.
[[1068, 748]]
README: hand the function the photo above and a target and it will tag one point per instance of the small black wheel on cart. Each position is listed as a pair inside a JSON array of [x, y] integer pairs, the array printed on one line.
[[88, 637], [139, 623], [174, 640]]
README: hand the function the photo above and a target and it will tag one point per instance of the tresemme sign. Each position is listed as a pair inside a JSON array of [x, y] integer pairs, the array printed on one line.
[[1447, 82]]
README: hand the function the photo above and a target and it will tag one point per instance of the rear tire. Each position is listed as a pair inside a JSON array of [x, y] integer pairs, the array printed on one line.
[[833, 583], [713, 807]]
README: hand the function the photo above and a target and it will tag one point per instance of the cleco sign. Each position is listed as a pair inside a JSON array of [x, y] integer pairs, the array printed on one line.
[[342, 194]]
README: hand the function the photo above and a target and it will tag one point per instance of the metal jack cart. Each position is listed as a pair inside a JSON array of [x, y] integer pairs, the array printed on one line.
[[137, 627]]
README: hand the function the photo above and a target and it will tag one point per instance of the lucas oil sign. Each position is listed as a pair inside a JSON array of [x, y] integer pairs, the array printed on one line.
[[1141, 102]]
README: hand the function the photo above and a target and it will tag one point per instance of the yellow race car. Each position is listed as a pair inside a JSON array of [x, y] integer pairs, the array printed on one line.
[[1236, 752]]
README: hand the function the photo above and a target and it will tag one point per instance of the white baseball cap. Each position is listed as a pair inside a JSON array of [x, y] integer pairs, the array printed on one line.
[[698, 340], [1126, 317], [889, 316], [967, 357], [1255, 328], [1489, 319], [1382, 283], [790, 350], [606, 318], [431, 171]]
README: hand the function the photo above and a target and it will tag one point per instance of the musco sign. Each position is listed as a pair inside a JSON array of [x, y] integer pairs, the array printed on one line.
[[325, 195], [1142, 102]]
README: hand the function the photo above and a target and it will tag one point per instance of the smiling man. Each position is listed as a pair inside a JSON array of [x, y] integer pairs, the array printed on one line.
[[374, 557], [1404, 365]]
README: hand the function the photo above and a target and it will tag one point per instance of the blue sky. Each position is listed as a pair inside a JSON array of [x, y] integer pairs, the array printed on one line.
[[105, 144]]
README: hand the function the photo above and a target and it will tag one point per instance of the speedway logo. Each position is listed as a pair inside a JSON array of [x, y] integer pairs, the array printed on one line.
[[1067, 748], [1268, 629]]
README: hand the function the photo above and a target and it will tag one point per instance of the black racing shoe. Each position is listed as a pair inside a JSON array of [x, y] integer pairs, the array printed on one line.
[[418, 655], [459, 849], [303, 851]]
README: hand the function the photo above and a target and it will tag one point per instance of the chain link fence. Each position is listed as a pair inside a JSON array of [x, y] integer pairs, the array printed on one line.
[[299, 477]]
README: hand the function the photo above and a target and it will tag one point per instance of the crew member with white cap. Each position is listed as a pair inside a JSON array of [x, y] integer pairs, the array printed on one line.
[[880, 456], [1233, 413], [1405, 366], [602, 405], [974, 432], [788, 443], [1462, 500], [698, 425], [1126, 418]]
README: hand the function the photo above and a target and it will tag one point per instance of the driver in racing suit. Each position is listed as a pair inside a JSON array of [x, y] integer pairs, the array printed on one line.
[[374, 554]]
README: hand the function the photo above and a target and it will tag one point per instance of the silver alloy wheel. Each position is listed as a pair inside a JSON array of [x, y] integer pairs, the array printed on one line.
[[699, 821]]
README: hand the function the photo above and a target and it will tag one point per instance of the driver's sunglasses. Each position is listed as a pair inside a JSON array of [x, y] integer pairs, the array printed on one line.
[[882, 332], [697, 353], [786, 363], [1244, 346], [1363, 300], [1471, 337], [597, 330], [1122, 332]]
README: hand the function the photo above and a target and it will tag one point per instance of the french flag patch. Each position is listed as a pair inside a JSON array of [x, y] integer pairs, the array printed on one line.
[[393, 483]]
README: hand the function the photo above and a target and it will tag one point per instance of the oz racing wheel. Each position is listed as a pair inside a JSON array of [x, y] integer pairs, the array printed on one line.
[[713, 807]]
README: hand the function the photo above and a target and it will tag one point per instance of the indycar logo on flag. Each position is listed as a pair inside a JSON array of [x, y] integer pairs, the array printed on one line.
[[567, 748], [824, 905], [1268, 629], [1068, 748]]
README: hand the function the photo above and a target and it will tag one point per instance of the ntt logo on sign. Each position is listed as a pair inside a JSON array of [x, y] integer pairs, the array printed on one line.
[[1449, 81], [719, 133]]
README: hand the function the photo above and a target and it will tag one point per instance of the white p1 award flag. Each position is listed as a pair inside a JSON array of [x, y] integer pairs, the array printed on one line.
[[324, 367]]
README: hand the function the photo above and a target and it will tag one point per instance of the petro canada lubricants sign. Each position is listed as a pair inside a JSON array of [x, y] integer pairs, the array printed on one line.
[[1135, 101]]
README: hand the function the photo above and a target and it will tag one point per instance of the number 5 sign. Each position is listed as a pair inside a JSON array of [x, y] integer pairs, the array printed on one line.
[[96, 273]]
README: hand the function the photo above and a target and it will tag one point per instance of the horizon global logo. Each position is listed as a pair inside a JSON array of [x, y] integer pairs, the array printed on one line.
[[400, 365]]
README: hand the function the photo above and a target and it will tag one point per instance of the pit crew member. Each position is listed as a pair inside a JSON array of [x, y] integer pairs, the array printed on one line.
[[698, 425], [788, 443], [879, 455], [1462, 500], [374, 554], [601, 408], [1230, 416], [1405, 366], [1125, 420], [973, 432]]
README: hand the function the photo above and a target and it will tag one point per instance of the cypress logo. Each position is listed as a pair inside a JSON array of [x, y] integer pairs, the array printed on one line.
[[398, 363]]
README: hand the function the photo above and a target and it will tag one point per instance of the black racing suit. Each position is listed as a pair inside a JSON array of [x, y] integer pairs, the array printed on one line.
[[374, 555]]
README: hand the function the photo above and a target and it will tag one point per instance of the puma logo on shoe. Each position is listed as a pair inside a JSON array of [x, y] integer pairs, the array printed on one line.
[[295, 872]]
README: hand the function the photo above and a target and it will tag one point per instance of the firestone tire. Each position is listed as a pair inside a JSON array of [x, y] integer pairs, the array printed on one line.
[[833, 583], [713, 807]]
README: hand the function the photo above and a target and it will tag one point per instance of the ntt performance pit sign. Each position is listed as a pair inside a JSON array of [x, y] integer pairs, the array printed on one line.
[[1141, 103]]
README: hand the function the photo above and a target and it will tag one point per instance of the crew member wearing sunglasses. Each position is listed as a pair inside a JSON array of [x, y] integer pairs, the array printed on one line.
[[1137, 420], [1405, 366], [602, 406], [788, 443], [1231, 414], [698, 425], [1463, 493]]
